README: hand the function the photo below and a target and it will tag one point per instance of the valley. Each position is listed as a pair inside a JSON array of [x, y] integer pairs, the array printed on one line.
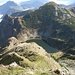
[[39, 41]]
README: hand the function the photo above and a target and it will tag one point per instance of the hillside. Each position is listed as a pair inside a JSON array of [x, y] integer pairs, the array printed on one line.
[[52, 23], [72, 9], [49, 21], [27, 58]]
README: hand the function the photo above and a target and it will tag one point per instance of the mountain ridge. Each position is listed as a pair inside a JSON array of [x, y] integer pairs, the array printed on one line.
[[40, 16], [52, 23]]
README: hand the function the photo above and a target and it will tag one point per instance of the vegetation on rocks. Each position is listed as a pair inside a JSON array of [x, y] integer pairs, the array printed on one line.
[[53, 23]]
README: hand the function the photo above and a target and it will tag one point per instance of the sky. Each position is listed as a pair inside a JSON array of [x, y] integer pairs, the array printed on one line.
[[66, 2]]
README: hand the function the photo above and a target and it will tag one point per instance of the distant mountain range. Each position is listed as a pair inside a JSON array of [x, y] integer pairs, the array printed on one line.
[[10, 7], [23, 13], [71, 5], [68, 6], [33, 4]]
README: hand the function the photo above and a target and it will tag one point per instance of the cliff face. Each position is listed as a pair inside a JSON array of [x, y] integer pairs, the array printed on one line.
[[9, 27]]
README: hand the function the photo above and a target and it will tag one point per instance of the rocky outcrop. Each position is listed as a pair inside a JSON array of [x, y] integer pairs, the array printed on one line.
[[9, 27], [11, 42]]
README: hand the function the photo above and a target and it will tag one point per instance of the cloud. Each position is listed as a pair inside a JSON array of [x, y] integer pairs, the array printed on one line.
[[66, 2], [18, 1]]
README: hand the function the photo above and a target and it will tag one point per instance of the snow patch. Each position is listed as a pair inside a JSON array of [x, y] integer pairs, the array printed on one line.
[[1, 17]]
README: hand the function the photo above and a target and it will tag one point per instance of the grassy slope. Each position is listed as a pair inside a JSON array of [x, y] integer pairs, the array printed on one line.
[[29, 56]]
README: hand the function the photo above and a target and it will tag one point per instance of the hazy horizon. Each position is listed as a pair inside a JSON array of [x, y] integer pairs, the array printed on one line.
[[65, 2]]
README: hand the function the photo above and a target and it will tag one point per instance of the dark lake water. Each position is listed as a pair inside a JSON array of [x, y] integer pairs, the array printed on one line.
[[43, 44]]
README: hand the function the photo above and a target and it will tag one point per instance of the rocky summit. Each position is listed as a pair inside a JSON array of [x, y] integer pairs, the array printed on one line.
[[54, 26]]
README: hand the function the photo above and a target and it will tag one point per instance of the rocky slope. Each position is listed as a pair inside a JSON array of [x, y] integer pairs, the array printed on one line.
[[51, 22], [9, 27], [72, 9], [28, 57]]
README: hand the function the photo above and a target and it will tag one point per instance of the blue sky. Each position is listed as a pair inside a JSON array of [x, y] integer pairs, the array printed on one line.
[[57, 1]]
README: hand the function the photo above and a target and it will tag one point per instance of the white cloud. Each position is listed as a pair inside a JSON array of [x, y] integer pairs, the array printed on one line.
[[66, 2], [2, 3], [18, 1]]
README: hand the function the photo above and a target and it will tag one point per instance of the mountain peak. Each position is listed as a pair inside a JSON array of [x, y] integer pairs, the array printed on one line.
[[10, 7], [7, 16], [51, 3], [10, 3]]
